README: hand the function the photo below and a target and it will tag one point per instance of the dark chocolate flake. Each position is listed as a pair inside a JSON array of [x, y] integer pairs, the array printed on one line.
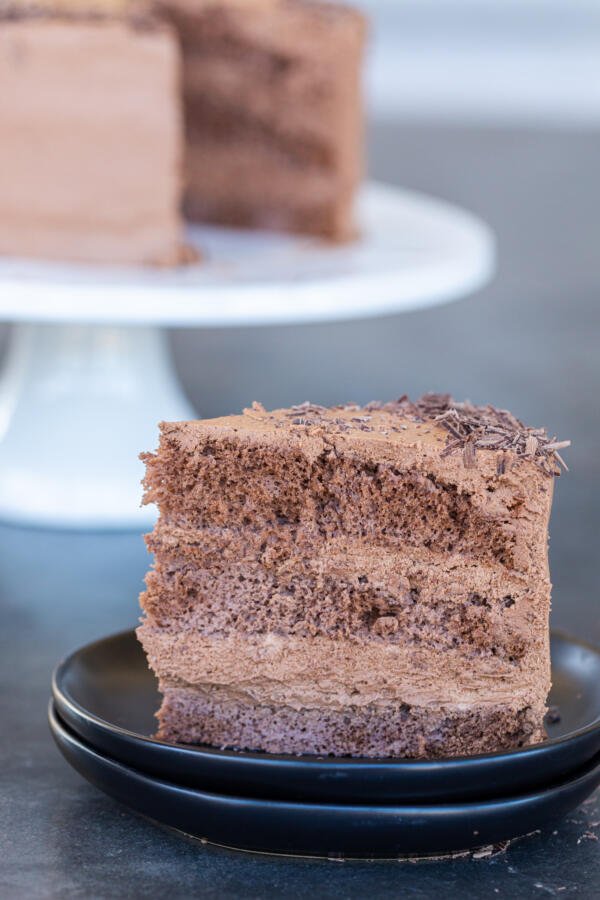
[[469, 428], [485, 427], [469, 455]]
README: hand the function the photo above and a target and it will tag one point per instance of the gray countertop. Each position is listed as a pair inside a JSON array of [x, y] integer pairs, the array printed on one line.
[[530, 341]]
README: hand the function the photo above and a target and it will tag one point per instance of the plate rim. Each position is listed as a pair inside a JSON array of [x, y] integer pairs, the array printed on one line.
[[59, 695], [570, 780], [358, 831]]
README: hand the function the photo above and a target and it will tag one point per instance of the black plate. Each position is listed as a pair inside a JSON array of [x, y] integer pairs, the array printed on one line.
[[306, 829], [107, 695]]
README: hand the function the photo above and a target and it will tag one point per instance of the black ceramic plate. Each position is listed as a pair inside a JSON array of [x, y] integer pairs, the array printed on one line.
[[107, 695], [318, 829]]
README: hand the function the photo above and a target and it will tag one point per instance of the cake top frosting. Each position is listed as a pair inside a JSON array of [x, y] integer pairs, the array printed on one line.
[[435, 422], [470, 427], [459, 427]]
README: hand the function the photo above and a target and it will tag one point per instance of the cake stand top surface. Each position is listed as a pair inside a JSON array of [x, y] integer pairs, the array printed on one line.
[[412, 252]]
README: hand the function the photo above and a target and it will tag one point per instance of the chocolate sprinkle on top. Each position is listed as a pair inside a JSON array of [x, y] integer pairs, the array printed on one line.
[[472, 427], [469, 428]]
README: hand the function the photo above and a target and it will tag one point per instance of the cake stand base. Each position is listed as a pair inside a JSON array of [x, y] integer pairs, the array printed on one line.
[[78, 404]]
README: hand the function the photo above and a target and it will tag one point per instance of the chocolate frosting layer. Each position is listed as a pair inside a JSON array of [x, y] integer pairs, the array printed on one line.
[[334, 674]]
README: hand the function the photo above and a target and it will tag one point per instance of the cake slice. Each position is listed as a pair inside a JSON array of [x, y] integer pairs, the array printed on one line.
[[92, 132], [351, 581], [273, 112]]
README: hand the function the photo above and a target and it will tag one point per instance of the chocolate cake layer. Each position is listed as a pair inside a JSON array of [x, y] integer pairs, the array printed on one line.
[[226, 720], [400, 599], [319, 568], [385, 487]]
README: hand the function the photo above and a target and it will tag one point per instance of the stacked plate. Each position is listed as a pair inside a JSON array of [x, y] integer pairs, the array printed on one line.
[[102, 715]]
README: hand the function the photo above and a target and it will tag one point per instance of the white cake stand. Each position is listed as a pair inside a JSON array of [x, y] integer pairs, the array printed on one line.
[[88, 374]]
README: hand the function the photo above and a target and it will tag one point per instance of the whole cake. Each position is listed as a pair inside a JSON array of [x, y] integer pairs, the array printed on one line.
[[118, 114], [351, 581]]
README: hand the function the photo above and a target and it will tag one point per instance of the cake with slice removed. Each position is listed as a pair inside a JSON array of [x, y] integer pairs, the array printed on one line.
[[116, 115], [351, 581]]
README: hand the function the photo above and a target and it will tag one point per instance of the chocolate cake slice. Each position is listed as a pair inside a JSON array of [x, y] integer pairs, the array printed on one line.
[[351, 581]]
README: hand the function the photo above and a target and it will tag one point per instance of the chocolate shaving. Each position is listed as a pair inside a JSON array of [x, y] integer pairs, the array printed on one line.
[[553, 715], [469, 428], [481, 427], [561, 461], [531, 445], [469, 455], [307, 407]]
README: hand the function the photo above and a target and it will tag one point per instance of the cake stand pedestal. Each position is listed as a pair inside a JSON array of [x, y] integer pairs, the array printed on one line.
[[88, 373]]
